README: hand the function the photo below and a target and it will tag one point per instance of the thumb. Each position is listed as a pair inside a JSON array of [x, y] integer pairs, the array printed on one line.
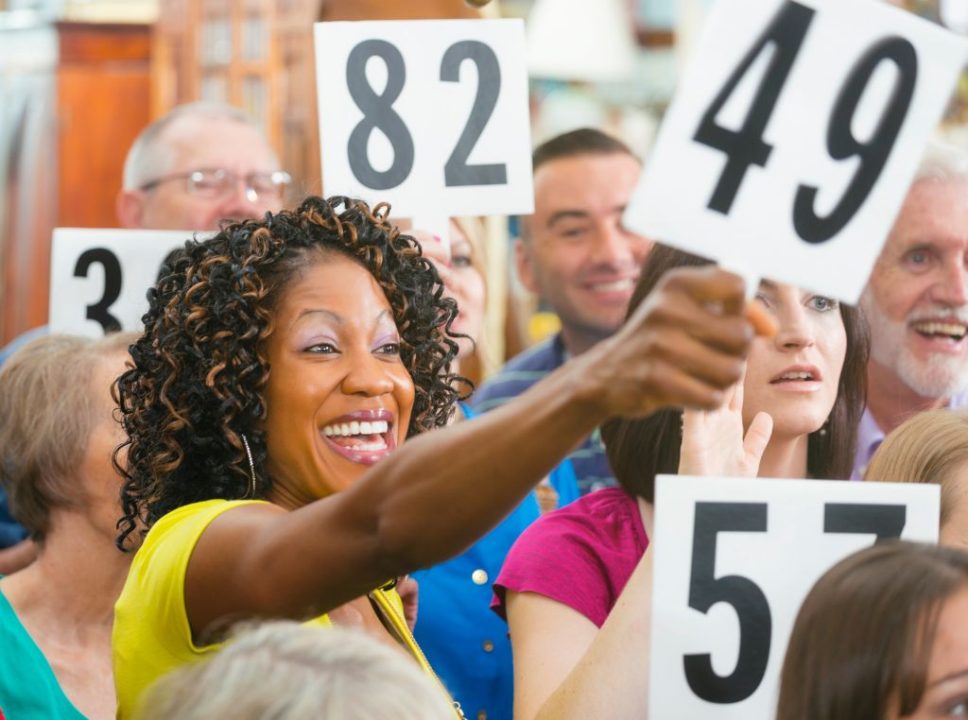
[[758, 437]]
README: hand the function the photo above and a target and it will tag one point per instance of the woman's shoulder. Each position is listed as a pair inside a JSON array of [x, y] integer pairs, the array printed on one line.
[[580, 555], [606, 517], [163, 555], [189, 521]]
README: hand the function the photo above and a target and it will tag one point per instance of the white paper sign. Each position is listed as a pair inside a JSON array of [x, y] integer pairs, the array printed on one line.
[[734, 560], [429, 115], [99, 279], [792, 141]]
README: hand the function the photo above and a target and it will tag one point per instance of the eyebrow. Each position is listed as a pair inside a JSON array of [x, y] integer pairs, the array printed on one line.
[[566, 215], [579, 214], [335, 317], [950, 676]]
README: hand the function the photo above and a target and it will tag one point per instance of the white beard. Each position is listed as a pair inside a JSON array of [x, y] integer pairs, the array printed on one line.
[[940, 375]]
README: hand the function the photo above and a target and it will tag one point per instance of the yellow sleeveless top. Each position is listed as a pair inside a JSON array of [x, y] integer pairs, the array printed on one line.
[[151, 634]]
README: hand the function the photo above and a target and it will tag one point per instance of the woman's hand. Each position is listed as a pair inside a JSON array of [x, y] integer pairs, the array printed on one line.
[[713, 442], [684, 345], [409, 592]]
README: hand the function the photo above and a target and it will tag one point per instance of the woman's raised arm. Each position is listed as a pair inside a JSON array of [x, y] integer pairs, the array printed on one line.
[[683, 346]]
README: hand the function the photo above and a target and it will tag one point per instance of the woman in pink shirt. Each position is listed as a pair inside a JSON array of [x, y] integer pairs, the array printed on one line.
[[574, 588]]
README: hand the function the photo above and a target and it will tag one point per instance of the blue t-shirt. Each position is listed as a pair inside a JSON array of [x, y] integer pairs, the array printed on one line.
[[589, 461], [466, 644], [10, 531]]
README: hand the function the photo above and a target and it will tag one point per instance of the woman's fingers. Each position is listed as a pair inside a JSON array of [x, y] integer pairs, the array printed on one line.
[[709, 284], [673, 386], [757, 438], [737, 395], [763, 323], [708, 364], [685, 346]]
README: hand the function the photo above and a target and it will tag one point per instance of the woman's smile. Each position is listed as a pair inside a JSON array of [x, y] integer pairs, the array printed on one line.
[[363, 436]]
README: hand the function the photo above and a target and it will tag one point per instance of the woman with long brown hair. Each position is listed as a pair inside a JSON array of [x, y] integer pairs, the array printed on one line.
[[882, 636], [575, 587]]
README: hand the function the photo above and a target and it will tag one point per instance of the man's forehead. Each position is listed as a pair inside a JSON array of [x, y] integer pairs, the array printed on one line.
[[213, 142], [935, 210], [570, 182]]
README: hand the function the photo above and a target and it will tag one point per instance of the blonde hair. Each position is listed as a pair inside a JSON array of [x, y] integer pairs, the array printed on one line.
[[48, 409], [927, 448], [477, 366], [287, 671]]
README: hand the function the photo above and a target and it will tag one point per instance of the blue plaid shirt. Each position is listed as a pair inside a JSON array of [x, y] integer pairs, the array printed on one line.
[[521, 372]]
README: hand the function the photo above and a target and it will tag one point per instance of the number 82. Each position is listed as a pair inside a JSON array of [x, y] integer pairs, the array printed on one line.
[[378, 113]]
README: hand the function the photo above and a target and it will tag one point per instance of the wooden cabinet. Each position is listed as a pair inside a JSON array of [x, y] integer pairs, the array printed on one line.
[[103, 89], [254, 54], [76, 132]]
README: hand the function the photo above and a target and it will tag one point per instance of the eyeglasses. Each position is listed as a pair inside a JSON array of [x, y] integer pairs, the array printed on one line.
[[216, 183]]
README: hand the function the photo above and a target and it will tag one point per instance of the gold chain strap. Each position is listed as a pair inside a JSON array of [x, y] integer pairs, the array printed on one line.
[[399, 624]]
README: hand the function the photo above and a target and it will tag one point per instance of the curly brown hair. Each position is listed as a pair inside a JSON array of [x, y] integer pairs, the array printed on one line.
[[200, 369]]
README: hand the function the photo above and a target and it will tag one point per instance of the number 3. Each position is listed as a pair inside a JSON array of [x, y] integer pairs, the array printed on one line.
[[378, 113], [112, 285]]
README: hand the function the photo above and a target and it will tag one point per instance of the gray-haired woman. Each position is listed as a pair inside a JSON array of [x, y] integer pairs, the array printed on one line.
[[57, 436]]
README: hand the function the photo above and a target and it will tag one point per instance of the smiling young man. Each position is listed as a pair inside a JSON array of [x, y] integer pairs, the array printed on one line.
[[917, 304], [576, 255]]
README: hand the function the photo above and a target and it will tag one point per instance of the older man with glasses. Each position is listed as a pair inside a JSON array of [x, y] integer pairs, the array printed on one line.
[[198, 165]]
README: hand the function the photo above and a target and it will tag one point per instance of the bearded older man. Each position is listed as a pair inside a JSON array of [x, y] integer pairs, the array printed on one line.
[[917, 304]]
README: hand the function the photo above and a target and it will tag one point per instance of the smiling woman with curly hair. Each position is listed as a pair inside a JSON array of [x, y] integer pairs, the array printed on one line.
[[282, 364], [202, 365]]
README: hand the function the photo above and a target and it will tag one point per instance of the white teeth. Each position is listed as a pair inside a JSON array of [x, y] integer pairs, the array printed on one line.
[[370, 447], [956, 330], [796, 376], [615, 286], [376, 427]]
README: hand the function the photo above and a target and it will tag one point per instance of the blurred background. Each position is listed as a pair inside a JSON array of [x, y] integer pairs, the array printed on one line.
[[80, 78]]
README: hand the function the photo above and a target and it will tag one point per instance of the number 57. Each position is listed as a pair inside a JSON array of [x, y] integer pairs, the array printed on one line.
[[746, 597]]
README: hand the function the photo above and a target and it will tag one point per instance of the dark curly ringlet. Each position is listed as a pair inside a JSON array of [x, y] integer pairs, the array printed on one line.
[[638, 449], [200, 369]]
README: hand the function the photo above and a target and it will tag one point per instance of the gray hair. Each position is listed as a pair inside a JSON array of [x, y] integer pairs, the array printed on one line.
[[943, 160], [286, 671], [48, 409], [149, 158]]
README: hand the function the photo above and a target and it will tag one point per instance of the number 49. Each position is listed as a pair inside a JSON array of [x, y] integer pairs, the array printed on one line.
[[745, 147]]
